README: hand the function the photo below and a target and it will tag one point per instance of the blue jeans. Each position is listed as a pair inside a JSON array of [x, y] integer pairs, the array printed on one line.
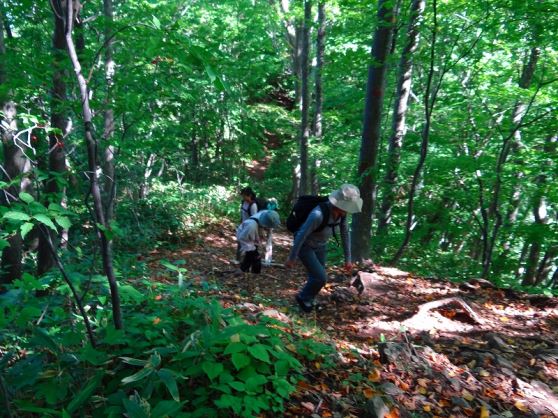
[[314, 261]]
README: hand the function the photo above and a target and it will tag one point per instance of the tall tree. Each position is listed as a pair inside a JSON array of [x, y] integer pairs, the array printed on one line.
[[108, 131], [304, 133], [398, 128], [317, 125], [95, 191], [367, 167], [12, 170], [58, 121]]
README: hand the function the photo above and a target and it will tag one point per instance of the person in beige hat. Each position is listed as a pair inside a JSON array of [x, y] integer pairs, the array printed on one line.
[[310, 240]]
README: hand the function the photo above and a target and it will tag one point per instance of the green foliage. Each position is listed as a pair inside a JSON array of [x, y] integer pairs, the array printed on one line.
[[180, 355]]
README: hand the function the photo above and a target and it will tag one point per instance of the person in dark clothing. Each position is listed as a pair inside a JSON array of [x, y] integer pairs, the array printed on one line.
[[310, 242]]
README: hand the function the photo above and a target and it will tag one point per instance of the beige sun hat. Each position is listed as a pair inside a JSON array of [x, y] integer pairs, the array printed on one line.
[[347, 198]]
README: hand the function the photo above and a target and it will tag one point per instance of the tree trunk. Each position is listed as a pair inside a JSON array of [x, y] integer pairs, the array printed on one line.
[[58, 120], [398, 124], [317, 126], [305, 100], [144, 187], [511, 143], [15, 164], [534, 272], [91, 144], [108, 131], [362, 222]]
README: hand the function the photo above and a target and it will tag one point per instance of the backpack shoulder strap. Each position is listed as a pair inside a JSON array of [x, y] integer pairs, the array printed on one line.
[[324, 207]]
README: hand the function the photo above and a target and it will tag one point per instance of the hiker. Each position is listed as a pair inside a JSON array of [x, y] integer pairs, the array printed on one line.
[[248, 207], [310, 239], [248, 238]]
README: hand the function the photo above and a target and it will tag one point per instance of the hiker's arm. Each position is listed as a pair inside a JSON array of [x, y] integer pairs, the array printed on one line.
[[253, 209], [312, 223], [345, 241]]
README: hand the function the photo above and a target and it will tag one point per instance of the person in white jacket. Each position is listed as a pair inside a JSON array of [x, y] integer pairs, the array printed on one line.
[[248, 238]]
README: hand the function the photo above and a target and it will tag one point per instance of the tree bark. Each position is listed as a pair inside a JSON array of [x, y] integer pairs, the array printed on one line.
[[398, 124], [304, 134], [534, 272], [317, 125], [510, 143], [367, 168], [58, 120], [108, 131], [14, 165], [91, 144]]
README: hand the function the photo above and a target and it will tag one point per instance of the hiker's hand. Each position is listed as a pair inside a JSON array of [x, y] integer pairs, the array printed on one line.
[[348, 267], [289, 264]]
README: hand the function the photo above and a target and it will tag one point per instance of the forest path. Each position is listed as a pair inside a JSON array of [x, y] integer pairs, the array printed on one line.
[[408, 346]]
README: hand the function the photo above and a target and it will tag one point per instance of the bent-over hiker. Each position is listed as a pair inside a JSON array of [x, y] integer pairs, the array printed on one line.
[[248, 238], [310, 239]]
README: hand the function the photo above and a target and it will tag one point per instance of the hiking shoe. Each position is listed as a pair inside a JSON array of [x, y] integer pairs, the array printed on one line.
[[304, 306]]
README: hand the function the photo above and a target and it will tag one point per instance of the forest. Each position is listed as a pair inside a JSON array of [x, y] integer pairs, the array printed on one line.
[[129, 129]]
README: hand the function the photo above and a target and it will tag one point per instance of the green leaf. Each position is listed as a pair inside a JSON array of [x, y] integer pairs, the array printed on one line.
[[136, 377], [63, 221], [25, 228], [240, 360], [134, 409], [45, 220], [238, 386], [26, 197], [259, 351], [212, 369], [166, 409], [85, 393], [254, 383], [42, 338], [235, 348], [3, 244], [169, 265], [134, 361], [16, 216], [156, 23], [167, 377]]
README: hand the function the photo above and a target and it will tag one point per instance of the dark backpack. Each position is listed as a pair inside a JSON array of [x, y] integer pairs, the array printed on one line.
[[302, 208], [261, 203]]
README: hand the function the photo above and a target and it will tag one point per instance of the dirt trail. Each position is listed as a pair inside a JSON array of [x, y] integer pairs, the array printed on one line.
[[408, 346]]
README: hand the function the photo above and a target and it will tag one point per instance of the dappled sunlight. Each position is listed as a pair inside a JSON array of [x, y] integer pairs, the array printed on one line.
[[439, 338]]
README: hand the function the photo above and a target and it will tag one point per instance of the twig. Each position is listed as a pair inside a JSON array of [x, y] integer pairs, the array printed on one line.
[[79, 303]]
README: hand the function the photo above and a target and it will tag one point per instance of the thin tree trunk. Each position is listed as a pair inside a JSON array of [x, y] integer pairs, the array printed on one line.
[[317, 126], [510, 143], [58, 120], [305, 100], [15, 164], [398, 124], [362, 222], [534, 271], [108, 132], [144, 188], [105, 243], [425, 135]]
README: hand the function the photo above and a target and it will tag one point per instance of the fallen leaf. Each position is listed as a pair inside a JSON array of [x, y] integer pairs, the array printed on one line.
[[375, 376], [156, 321], [467, 395], [504, 319], [532, 362], [368, 393], [484, 373], [484, 412], [521, 406], [426, 408], [423, 382], [308, 405]]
